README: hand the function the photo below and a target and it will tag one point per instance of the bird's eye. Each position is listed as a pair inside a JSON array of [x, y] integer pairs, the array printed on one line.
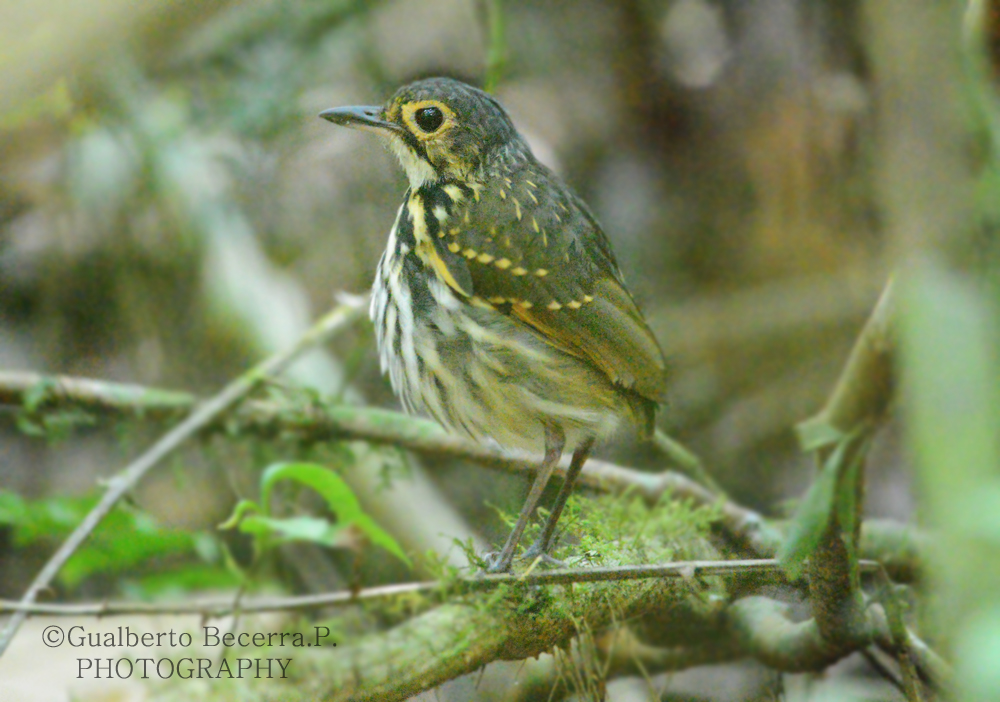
[[429, 118]]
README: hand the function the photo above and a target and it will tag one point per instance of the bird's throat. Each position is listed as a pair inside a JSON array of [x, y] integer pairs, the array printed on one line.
[[418, 171]]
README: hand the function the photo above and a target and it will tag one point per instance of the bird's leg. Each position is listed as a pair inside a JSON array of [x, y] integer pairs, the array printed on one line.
[[541, 546], [555, 440]]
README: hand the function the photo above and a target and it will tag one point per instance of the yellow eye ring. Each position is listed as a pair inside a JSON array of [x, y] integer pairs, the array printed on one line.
[[426, 119]]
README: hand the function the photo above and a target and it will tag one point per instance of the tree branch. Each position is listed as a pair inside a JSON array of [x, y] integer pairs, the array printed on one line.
[[467, 634], [895, 545], [856, 406], [213, 609], [519, 621], [201, 416]]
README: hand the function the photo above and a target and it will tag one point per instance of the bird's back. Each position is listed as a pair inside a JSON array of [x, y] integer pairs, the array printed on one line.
[[517, 315]]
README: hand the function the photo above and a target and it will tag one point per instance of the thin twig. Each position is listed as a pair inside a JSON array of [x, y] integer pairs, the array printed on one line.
[[203, 414], [212, 609], [562, 576], [896, 545], [871, 654], [933, 669], [900, 636], [316, 423]]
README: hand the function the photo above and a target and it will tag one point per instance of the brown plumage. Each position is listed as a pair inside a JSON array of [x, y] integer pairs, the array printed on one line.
[[499, 307]]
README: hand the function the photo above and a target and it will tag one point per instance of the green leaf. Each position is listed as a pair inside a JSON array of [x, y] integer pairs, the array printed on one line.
[[338, 496], [54, 426], [816, 433], [125, 539], [13, 509], [834, 489], [302, 528], [846, 499], [812, 515], [241, 508], [37, 394], [380, 537]]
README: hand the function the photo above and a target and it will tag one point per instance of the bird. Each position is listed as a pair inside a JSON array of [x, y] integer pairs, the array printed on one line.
[[498, 305]]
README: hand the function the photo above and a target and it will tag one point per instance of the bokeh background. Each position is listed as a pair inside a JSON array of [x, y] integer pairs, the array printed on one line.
[[171, 210]]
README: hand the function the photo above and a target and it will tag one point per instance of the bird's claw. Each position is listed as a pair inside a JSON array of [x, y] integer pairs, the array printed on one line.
[[496, 562], [535, 552]]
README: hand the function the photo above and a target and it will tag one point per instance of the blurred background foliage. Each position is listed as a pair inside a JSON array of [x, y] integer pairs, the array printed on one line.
[[171, 210], [175, 209]]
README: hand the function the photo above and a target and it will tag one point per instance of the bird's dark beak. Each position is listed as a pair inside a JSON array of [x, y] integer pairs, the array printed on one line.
[[368, 117]]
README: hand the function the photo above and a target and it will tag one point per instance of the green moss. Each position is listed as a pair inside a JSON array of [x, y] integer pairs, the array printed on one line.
[[610, 530]]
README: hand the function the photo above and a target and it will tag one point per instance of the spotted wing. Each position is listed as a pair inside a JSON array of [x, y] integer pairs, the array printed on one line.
[[531, 249]]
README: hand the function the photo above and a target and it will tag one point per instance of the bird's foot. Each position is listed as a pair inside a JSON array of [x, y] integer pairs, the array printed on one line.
[[538, 552], [496, 562]]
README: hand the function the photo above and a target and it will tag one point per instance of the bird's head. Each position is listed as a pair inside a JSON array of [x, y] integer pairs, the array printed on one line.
[[440, 128]]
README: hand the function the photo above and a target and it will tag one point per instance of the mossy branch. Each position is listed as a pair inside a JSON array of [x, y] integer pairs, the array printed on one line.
[[469, 631], [841, 432], [461, 637], [213, 609], [897, 546], [522, 622], [201, 415]]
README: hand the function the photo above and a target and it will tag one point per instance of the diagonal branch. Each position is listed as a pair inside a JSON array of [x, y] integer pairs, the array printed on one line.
[[201, 416]]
